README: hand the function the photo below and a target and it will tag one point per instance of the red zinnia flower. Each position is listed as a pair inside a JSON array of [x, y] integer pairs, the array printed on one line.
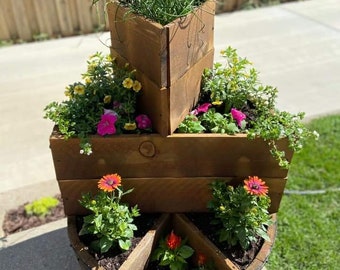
[[255, 186], [173, 241], [109, 182]]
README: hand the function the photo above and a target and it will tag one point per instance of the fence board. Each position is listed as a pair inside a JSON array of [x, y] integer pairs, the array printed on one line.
[[7, 8], [84, 13], [21, 20], [64, 17], [42, 12], [4, 32]]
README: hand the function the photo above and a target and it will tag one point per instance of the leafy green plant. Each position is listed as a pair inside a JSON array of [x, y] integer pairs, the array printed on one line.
[[233, 100], [111, 221], [173, 252], [241, 213], [41, 207], [105, 103], [161, 11]]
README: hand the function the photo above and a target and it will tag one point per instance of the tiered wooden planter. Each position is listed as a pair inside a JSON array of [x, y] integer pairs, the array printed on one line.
[[168, 174], [169, 59], [139, 258]]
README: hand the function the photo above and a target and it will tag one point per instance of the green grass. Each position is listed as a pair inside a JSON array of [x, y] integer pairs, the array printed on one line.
[[308, 225]]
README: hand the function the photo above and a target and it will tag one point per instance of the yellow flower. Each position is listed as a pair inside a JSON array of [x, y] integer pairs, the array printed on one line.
[[67, 92], [137, 86], [128, 83], [88, 80], [79, 89], [107, 99], [91, 67], [130, 126], [217, 102], [109, 58]]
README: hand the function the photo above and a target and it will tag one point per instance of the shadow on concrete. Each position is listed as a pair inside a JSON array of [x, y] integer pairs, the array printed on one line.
[[48, 251]]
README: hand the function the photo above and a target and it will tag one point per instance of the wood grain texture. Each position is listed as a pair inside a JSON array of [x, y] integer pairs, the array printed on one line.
[[162, 53]]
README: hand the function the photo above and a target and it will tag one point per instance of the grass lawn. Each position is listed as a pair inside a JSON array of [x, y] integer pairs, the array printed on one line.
[[308, 234]]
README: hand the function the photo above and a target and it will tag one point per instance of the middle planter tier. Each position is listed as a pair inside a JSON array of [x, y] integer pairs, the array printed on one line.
[[168, 174]]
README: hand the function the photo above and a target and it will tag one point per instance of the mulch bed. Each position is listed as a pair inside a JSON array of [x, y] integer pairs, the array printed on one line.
[[16, 220]]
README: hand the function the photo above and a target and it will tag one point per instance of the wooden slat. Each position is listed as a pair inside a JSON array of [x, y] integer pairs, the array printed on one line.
[[178, 155], [163, 194], [4, 32], [64, 17], [74, 15], [84, 14], [53, 17], [7, 9], [42, 16], [21, 20]]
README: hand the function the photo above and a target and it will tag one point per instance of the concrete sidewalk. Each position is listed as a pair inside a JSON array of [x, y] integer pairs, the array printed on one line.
[[295, 46]]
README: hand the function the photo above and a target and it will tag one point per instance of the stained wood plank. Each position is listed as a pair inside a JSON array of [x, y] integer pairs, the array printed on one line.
[[163, 194], [151, 155]]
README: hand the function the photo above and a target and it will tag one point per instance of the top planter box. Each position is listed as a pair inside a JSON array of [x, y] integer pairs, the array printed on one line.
[[162, 53]]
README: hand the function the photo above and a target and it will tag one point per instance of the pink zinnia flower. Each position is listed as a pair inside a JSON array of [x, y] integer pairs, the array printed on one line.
[[201, 109], [143, 121], [107, 124], [238, 116], [255, 186]]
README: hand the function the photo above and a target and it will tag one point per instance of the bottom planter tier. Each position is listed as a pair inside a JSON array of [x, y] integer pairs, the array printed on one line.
[[182, 225]]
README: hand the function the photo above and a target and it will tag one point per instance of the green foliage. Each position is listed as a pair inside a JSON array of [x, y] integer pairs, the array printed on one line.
[[174, 258], [41, 207], [235, 85], [103, 87], [240, 216], [191, 124], [308, 234], [111, 221], [161, 11]]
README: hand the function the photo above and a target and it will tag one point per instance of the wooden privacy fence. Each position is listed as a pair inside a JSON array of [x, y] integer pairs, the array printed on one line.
[[24, 19]]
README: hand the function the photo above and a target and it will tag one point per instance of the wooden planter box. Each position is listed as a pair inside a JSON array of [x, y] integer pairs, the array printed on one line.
[[200, 243], [137, 260], [182, 226], [169, 60], [162, 53], [168, 174]]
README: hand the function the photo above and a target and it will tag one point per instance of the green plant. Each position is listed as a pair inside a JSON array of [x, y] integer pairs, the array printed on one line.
[[173, 252], [111, 221], [161, 11], [232, 100], [41, 207], [242, 212], [105, 103]]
